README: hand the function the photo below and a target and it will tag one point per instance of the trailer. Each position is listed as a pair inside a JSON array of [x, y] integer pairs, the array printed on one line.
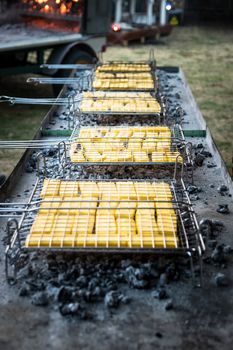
[[33, 33], [139, 20]]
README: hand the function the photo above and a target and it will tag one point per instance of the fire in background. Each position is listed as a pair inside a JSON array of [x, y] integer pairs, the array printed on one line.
[[58, 7]]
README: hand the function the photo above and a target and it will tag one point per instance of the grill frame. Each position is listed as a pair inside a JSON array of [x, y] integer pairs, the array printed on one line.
[[17, 228], [177, 137]]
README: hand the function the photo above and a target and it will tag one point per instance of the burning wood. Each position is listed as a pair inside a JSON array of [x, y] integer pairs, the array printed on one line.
[[58, 7]]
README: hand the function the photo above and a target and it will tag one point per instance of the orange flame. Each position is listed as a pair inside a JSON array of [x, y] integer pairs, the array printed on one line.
[[55, 6], [63, 9]]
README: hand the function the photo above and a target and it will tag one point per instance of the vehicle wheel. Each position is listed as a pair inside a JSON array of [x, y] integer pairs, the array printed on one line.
[[73, 57]]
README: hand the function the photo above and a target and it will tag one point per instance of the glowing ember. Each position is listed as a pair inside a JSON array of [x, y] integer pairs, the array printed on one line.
[[59, 7], [63, 9]]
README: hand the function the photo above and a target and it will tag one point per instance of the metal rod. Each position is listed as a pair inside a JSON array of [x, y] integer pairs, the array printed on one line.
[[37, 101], [59, 81], [69, 66]]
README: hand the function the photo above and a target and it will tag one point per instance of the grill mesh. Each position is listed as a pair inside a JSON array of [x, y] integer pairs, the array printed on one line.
[[134, 144], [120, 103], [105, 214], [117, 76]]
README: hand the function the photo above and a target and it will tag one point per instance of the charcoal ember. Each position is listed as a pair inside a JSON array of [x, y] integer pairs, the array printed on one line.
[[169, 305], [160, 294], [28, 168], [199, 159], [36, 284], [64, 295], [70, 309], [51, 151], [134, 277], [159, 335], [124, 299], [205, 153], [111, 285], [217, 225], [97, 292], [223, 189], [86, 315], [207, 259], [212, 243], [72, 273], [193, 189], [172, 272], [180, 112], [163, 280], [94, 282], [81, 281], [25, 272], [119, 277], [34, 255], [206, 227], [218, 255], [24, 290], [62, 279], [152, 270], [142, 273], [63, 268], [22, 260], [227, 249], [40, 299], [126, 263], [79, 294], [88, 296], [223, 209], [211, 165], [62, 117], [221, 280], [52, 292], [112, 299], [33, 160], [52, 265]]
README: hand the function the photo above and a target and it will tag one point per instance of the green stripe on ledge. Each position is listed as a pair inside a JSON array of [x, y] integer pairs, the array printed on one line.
[[56, 133], [194, 133], [64, 133]]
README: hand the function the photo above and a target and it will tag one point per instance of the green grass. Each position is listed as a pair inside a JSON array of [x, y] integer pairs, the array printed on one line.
[[206, 56], [204, 53], [19, 122]]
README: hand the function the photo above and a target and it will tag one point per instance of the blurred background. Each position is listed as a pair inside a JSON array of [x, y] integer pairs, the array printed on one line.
[[195, 35]]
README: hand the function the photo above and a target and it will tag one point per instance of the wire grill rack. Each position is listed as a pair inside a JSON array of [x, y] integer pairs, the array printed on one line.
[[119, 102], [73, 102], [132, 66], [175, 230], [108, 146], [130, 81], [114, 108]]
